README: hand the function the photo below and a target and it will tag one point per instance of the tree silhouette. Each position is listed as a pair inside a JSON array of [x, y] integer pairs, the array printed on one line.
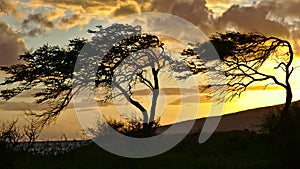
[[243, 56], [124, 56], [49, 66], [132, 61]]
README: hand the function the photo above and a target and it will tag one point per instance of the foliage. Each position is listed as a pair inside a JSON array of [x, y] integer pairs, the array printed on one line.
[[49, 71], [129, 127], [11, 135], [242, 56], [50, 67]]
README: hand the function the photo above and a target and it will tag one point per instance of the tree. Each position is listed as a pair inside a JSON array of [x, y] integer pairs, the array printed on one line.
[[50, 67], [135, 60], [115, 49], [243, 56]]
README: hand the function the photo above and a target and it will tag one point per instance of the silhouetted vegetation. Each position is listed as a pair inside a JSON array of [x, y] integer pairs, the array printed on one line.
[[14, 138], [243, 56], [228, 150], [129, 127], [49, 66], [123, 55], [286, 131], [12, 135]]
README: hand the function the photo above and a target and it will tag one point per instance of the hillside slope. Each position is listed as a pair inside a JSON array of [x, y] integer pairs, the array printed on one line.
[[245, 120]]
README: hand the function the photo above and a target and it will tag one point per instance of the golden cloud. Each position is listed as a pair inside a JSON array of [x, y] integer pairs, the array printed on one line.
[[74, 20], [219, 2], [65, 14], [10, 8], [130, 7]]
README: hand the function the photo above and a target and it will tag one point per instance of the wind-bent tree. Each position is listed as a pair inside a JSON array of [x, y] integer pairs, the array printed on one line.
[[48, 68], [136, 60], [243, 56], [124, 57]]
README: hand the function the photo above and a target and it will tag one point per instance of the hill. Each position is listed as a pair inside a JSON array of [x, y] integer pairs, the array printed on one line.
[[250, 120]]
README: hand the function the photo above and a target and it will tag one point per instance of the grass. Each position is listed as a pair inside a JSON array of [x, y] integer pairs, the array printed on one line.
[[230, 150], [227, 150]]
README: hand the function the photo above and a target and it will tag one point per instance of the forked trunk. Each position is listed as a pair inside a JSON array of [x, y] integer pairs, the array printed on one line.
[[147, 130]]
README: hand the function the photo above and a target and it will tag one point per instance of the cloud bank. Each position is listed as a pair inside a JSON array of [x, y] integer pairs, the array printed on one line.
[[267, 16], [271, 17], [11, 45]]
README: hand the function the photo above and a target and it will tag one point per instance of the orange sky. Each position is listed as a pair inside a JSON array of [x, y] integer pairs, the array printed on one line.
[[27, 24]]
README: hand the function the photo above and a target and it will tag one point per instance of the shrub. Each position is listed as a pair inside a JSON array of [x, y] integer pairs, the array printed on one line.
[[132, 128]]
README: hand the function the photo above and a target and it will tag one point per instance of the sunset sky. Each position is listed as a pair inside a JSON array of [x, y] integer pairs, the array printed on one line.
[[28, 24]]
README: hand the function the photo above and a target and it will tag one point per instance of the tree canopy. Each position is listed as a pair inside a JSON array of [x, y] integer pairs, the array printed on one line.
[[50, 66], [242, 56], [114, 50]]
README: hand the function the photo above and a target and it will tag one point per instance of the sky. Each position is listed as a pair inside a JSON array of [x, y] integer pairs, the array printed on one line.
[[28, 24]]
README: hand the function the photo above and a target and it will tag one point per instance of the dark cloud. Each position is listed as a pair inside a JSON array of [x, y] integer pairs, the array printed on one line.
[[249, 19], [194, 11], [11, 45], [287, 13], [36, 24], [282, 8], [163, 5], [37, 18]]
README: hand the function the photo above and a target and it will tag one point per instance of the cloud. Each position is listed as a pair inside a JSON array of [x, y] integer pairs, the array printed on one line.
[[271, 17], [127, 9], [71, 21], [192, 99], [194, 11], [249, 19], [10, 8], [11, 45], [65, 14], [220, 6], [282, 8], [36, 24], [286, 13], [218, 2], [72, 4]]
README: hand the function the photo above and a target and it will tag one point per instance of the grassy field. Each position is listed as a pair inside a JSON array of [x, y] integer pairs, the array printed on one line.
[[230, 150], [227, 150]]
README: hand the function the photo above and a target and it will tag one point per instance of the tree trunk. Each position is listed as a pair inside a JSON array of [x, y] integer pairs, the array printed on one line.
[[285, 124], [147, 130], [288, 101], [155, 94]]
